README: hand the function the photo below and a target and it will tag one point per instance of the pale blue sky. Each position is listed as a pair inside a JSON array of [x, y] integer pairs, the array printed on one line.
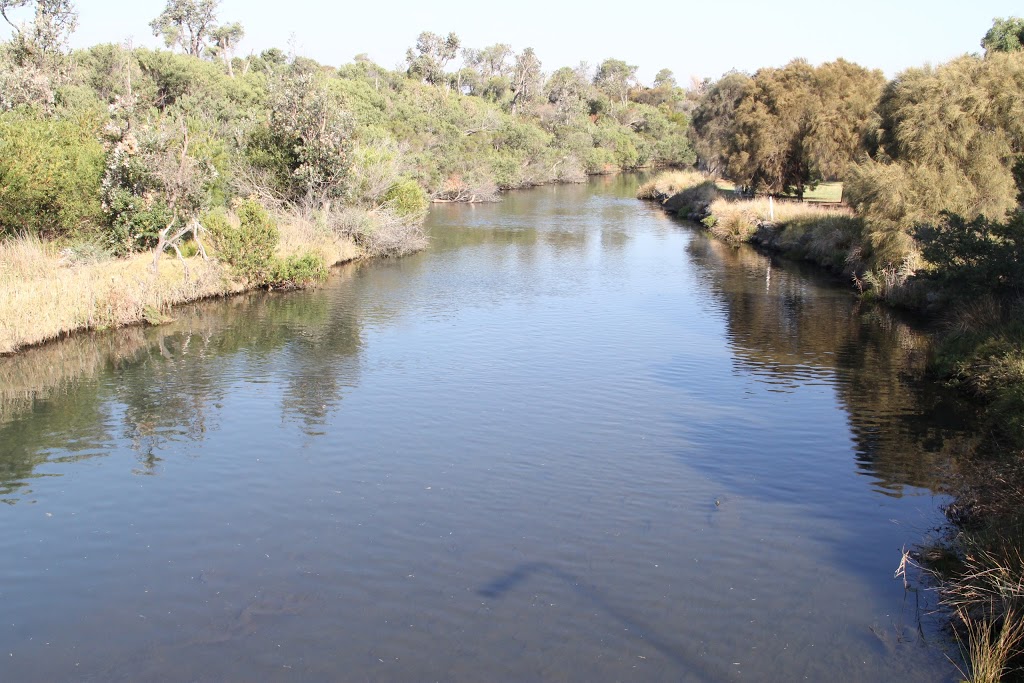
[[699, 39]]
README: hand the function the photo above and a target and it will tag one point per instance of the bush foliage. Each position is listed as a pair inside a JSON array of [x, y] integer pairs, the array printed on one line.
[[50, 171], [246, 239]]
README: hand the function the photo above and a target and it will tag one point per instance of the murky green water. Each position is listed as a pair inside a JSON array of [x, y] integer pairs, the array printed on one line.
[[574, 440]]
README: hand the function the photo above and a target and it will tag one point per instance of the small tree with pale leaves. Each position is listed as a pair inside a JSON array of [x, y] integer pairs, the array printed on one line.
[[188, 24], [314, 132]]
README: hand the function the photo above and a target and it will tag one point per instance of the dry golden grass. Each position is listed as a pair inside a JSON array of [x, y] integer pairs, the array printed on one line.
[[759, 210], [44, 295], [986, 597], [817, 231], [303, 234], [670, 183], [989, 648]]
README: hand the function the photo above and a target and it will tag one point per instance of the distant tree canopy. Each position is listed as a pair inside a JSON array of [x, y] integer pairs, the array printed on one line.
[[664, 78], [1006, 35], [46, 35], [133, 149], [186, 24], [786, 128], [431, 55], [615, 78]]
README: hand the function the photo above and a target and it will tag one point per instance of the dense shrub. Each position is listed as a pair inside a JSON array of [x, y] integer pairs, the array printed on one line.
[[50, 171], [245, 240], [135, 221], [381, 233], [407, 198], [296, 271], [978, 255]]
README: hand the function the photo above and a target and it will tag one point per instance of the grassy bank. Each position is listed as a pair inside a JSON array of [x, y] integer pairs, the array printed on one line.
[[48, 290], [827, 235]]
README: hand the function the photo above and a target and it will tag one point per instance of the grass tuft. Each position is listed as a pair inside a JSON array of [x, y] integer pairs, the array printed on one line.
[[670, 183]]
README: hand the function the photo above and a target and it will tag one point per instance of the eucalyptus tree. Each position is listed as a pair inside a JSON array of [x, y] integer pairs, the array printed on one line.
[[527, 79], [430, 56], [187, 23], [567, 90], [46, 35], [490, 61], [225, 41], [665, 78], [615, 78]]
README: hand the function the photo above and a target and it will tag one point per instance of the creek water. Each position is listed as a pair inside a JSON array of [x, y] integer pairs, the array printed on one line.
[[573, 440]]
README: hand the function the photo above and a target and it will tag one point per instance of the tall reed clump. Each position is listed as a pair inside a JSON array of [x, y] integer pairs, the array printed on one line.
[[987, 600]]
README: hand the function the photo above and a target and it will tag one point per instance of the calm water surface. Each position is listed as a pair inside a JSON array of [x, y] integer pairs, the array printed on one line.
[[573, 440]]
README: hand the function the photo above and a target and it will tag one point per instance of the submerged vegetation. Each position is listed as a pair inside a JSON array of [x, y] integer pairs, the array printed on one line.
[[263, 171]]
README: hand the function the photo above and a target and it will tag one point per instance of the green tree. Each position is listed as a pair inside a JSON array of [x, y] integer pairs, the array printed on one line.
[[774, 121], [187, 23], [1006, 35], [567, 89], [787, 128], [664, 78], [314, 132], [490, 61], [225, 40], [430, 57], [615, 78], [849, 96], [46, 36], [713, 126], [949, 139], [527, 79]]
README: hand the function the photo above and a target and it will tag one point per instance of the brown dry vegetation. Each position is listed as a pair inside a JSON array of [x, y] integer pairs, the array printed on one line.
[[670, 183], [827, 235], [46, 292]]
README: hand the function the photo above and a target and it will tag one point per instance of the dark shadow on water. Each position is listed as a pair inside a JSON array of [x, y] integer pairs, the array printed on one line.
[[689, 660]]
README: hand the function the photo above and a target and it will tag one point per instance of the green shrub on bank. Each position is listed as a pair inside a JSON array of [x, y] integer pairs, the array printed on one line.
[[134, 222], [983, 354], [50, 171], [976, 256], [296, 271], [407, 198], [246, 241]]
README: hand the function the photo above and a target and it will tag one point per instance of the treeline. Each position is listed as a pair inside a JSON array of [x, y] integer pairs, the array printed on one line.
[[932, 166], [911, 152], [132, 148]]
